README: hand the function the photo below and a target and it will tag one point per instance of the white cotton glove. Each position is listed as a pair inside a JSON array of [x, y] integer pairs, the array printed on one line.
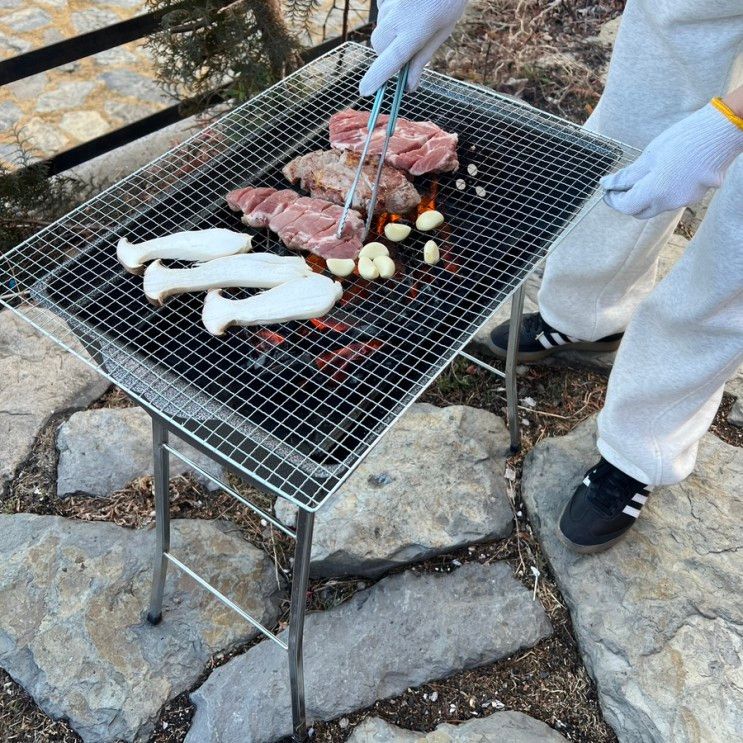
[[679, 166], [408, 31]]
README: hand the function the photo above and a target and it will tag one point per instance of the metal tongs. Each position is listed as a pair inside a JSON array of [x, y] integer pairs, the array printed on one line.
[[373, 116]]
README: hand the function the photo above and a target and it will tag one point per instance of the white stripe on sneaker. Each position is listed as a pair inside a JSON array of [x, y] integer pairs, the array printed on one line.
[[638, 498], [634, 512], [558, 338], [542, 338], [586, 481]]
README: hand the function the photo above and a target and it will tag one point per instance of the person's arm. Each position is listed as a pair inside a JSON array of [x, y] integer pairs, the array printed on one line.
[[408, 31], [682, 163]]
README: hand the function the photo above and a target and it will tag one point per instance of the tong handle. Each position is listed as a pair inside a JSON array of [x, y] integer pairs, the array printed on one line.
[[371, 125], [402, 79]]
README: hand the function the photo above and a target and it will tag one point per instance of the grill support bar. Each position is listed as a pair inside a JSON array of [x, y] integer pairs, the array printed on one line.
[[300, 577], [298, 605], [161, 480], [512, 399]]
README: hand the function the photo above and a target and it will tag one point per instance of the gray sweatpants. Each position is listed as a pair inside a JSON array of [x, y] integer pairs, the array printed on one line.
[[684, 337]]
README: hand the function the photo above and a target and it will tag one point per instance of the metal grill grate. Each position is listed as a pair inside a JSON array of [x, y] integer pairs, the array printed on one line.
[[525, 179]]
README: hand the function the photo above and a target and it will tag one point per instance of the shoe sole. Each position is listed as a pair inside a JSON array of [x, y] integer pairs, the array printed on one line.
[[584, 549], [527, 357]]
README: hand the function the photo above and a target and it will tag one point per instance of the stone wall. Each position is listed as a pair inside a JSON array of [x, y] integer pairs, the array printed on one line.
[[84, 99]]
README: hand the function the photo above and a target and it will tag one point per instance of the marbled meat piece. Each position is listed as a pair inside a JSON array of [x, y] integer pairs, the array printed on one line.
[[329, 174], [302, 222], [417, 147], [259, 214]]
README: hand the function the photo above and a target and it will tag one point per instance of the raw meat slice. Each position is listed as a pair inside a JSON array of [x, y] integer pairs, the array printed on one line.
[[305, 223], [251, 197], [260, 214], [233, 199], [329, 174], [418, 147]]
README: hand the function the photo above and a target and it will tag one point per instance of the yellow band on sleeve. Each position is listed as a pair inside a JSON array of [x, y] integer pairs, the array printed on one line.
[[727, 112]]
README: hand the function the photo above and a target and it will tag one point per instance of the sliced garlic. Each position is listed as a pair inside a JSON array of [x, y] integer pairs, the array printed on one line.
[[367, 269], [429, 220], [481, 192], [431, 254], [372, 250], [472, 169], [461, 184], [385, 265], [396, 232], [340, 266]]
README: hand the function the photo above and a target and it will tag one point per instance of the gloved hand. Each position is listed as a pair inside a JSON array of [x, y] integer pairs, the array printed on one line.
[[408, 31], [678, 167]]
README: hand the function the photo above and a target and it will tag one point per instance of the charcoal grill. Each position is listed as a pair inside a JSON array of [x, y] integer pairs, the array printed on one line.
[[288, 409]]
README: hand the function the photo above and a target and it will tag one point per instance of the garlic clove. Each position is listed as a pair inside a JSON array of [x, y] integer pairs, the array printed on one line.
[[385, 265], [429, 220], [372, 250], [340, 266], [367, 269], [396, 231], [431, 253]]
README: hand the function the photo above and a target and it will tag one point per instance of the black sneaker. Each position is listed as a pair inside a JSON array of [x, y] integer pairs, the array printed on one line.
[[603, 507], [538, 340]]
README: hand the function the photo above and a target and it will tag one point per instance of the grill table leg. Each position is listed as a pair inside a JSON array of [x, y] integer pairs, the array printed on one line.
[[162, 519], [305, 523], [514, 329]]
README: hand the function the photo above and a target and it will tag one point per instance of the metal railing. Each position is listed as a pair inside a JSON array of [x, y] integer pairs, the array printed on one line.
[[84, 45]]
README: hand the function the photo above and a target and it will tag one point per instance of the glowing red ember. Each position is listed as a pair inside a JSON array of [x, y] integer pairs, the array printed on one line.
[[335, 325], [336, 362], [268, 340]]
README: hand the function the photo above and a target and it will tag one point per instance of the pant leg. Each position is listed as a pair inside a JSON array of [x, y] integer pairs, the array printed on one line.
[[683, 343], [670, 58]]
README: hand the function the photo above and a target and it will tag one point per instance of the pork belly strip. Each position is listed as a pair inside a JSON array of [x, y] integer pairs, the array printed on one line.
[[329, 174], [301, 222], [418, 147]]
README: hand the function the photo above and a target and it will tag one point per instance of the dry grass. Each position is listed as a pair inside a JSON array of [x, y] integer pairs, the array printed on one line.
[[538, 50]]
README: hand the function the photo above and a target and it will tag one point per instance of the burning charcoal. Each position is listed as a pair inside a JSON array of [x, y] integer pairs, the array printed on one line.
[[335, 362], [328, 324]]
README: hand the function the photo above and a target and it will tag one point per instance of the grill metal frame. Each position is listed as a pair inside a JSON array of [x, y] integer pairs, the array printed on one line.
[[203, 168]]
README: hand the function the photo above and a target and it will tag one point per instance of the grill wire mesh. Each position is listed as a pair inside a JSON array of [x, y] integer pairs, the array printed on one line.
[[525, 179]]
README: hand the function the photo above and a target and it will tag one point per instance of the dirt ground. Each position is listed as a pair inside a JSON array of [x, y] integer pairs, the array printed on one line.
[[549, 681]]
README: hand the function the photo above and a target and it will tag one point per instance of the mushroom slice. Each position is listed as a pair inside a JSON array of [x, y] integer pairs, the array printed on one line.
[[300, 299], [190, 245], [254, 270]]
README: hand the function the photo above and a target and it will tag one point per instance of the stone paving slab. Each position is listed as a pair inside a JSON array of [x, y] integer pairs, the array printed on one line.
[[39, 378], [72, 633], [658, 617], [102, 450], [435, 482], [500, 727], [404, 631]]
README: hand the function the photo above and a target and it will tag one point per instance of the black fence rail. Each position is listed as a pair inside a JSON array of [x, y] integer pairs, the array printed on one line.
[[109, 37]]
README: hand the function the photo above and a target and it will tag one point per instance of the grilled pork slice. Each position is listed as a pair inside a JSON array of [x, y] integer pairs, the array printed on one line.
[[302, 223], [329, 174], [417, 147]]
